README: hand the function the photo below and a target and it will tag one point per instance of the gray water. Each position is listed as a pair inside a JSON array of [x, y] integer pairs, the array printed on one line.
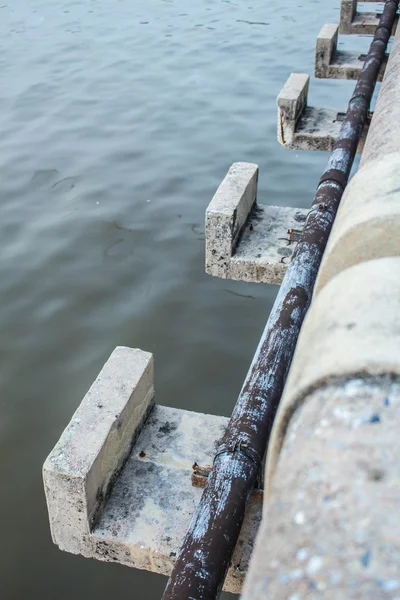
[[118, 120]]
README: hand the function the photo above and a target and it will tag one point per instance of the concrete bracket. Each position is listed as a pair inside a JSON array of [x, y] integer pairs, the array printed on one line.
[[331, 63], [246, 241], [302, 127], [354, 22], [118, 483]]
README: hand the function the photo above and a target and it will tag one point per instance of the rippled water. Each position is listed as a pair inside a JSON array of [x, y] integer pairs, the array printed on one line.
[[118, 120]]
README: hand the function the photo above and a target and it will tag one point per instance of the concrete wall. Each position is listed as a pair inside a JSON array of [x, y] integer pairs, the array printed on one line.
[[368, 222], [331, 523]]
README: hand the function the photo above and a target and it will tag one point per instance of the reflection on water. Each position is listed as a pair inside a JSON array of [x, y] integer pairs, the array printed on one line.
[[118, 121]]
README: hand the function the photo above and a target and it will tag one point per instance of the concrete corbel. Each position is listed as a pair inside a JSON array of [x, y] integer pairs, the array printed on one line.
[[331, 63], [354, 22], [303, 127], [247, 241], [292, 102], [120, 483]]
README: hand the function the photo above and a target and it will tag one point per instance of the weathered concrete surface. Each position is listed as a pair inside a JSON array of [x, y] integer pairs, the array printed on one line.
[[262, 254], [227, 214], [118, 483], [79, 472], [302, 127], [384, 135], [292, 101], [153, 501], [368, 220], [352, 21], [331, 524], [331, 528], [246, 241], [351, 328], [331, 63]]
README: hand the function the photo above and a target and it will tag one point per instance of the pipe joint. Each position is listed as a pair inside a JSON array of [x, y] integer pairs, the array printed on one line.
[[241, 447]]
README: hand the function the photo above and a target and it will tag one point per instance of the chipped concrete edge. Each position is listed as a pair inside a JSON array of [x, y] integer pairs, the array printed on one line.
[[230, 251]]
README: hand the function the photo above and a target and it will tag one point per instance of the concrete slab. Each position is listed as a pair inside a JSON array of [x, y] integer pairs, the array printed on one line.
[[353, 21], [302, 127], [249, 244], [150, 508], [119, 482], [262, 254], [331, 63]]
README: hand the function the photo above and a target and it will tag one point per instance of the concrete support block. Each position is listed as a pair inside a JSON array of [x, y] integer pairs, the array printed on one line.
[[246, 241], [348, 9], [302, 127], [326, 48], [331, 63], [354, 22], [227, 214], [292, 101], [119, 482], [368, 221], [331, 525], [80, 471]]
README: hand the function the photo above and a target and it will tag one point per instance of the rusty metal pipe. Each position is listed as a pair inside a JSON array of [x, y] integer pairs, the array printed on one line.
[[201, 566]]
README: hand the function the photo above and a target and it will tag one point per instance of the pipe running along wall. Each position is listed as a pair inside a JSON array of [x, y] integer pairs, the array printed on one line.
[[331, 522], [201, 566]]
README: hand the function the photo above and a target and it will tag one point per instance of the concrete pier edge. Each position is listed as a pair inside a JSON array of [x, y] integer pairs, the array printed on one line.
[[361, 23], [334, 63], [303, 127], [331, 525]]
